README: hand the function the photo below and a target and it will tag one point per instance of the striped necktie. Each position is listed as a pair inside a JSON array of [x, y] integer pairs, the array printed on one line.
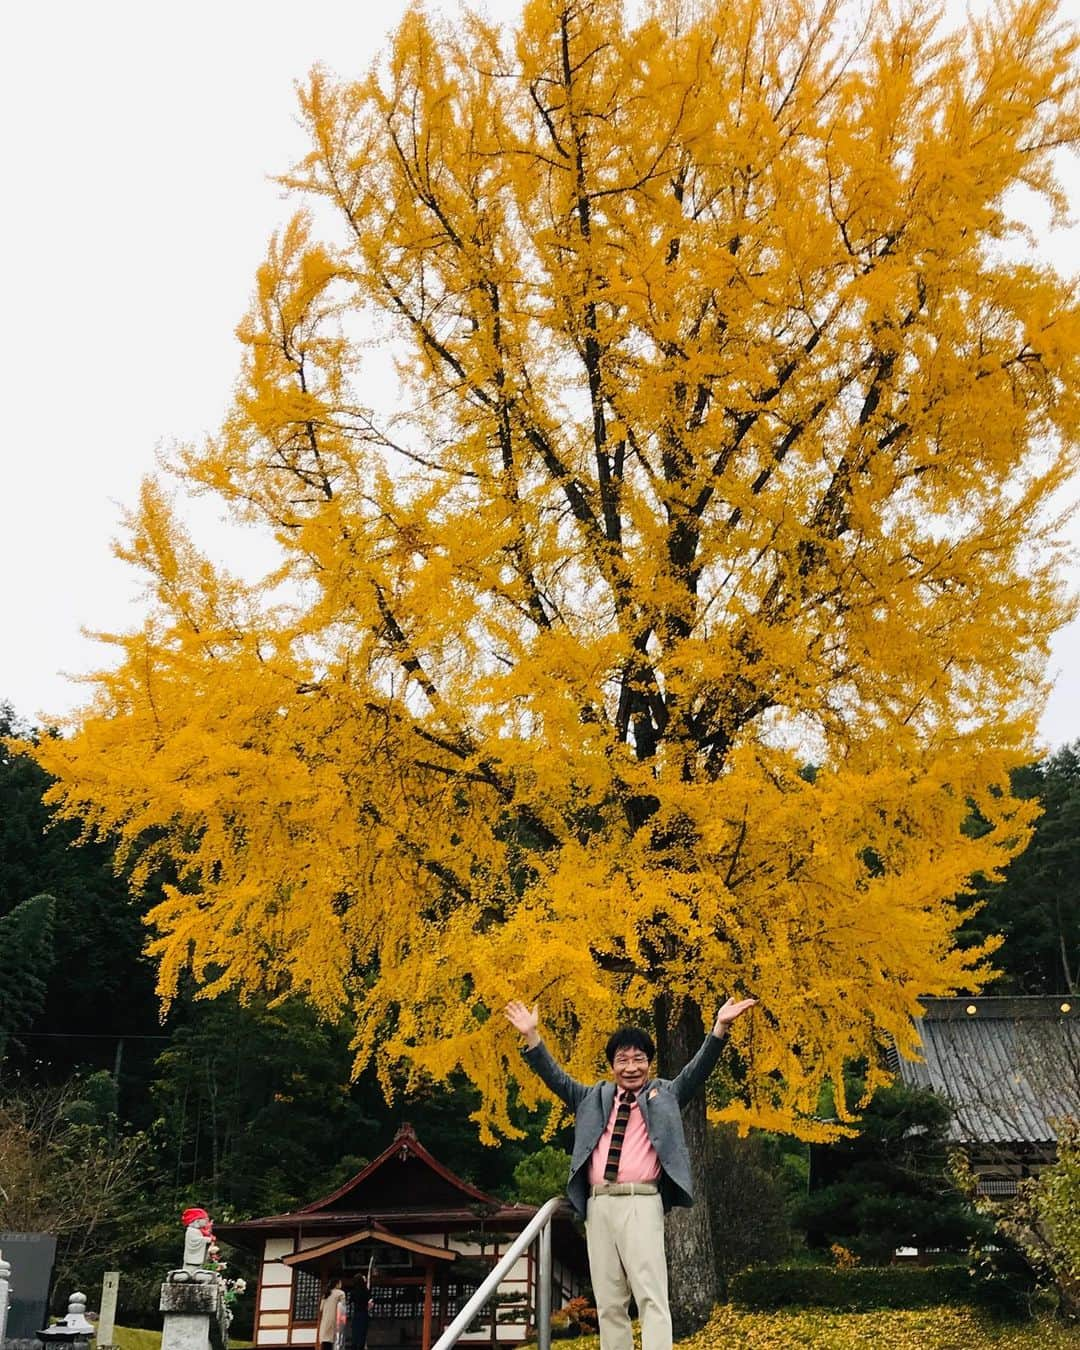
[[618, 1134]]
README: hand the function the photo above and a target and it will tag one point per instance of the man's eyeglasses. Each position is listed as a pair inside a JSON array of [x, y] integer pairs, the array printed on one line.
[[629, 1061]]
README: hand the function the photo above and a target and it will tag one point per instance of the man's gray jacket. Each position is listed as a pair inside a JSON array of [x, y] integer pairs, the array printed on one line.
[[661, 1101]]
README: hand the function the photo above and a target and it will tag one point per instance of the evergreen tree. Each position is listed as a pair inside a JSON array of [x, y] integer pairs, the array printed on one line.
[[1037, 906], [254, 1105], [888, 1186], [102, 986], [541, 1175], [26, 959]]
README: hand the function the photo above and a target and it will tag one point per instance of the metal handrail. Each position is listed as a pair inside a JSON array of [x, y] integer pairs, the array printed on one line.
[[538, 1226]]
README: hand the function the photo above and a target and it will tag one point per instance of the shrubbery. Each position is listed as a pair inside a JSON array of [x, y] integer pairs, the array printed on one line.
[[854, 1289], [1037, 1237], [749, 1196]]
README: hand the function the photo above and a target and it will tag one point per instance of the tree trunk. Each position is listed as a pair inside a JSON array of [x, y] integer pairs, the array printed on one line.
[[690, 1257]]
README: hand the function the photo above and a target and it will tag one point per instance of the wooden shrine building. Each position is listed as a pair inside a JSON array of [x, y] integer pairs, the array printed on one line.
[[422, 1237]]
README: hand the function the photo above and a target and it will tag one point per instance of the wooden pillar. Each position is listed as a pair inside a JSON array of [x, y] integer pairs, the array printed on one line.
[[425, 1340]]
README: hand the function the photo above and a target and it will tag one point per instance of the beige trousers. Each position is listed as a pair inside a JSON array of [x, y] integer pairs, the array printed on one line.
[[625, 1235]]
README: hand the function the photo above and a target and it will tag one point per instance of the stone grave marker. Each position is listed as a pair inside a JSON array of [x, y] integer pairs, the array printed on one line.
[[30, 1256], [110, 1287]]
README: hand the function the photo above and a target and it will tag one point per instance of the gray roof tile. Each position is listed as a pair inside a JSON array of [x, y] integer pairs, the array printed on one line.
[[1011, 1067]]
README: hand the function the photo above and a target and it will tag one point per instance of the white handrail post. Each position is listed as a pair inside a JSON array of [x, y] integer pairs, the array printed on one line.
[[538, 1226], [543, 1291]]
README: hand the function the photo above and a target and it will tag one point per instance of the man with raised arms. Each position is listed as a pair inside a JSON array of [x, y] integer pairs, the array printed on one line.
[[629, 1167]]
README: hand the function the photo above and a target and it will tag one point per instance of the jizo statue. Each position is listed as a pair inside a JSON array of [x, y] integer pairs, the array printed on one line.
[[198, 1236]]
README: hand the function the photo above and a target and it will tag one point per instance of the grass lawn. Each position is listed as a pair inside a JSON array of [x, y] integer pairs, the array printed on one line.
[[137, 1338]]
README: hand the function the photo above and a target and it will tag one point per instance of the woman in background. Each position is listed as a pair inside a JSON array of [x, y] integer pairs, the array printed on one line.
[[328, 1313]]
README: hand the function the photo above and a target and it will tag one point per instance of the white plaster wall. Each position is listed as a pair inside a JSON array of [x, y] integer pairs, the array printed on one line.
[[275, 1247], [273, 1337], [519, 1271], [304, 1336], [275, 1299], [276, 1272]]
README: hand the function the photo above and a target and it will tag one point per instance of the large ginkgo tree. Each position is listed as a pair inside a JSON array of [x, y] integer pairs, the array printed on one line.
[[653, 633]]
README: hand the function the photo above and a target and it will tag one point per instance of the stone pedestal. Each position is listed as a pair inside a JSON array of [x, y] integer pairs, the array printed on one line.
[[191, 1303]]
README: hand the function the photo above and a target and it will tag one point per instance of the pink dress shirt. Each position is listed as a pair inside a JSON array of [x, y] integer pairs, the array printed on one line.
[[637, 1161]]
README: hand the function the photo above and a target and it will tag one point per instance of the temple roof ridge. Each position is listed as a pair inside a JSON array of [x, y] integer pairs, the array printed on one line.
[[405, 1145]]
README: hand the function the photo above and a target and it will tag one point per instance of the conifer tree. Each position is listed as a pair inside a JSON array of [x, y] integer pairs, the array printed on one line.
[[1037, 905], [101, 985], [26, 958]]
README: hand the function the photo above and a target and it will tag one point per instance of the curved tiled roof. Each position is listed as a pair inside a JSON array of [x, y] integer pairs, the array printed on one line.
[[1010, 1066]]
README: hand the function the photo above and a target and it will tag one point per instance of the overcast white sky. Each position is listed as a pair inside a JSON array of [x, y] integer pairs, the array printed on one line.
[[138, 140]]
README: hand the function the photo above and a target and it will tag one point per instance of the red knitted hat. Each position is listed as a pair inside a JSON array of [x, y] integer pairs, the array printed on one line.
[[191, 1216]]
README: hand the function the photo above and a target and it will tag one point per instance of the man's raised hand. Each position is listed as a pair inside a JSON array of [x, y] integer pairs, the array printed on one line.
[[524, 1020], [732, 1008]]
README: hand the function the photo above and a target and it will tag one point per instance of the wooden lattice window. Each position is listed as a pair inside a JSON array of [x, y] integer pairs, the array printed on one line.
[[306, 1293], [458, 1293], [399, 1302]]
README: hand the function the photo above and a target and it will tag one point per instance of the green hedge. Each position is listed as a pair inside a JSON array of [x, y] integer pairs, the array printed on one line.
[[860, 1289]]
